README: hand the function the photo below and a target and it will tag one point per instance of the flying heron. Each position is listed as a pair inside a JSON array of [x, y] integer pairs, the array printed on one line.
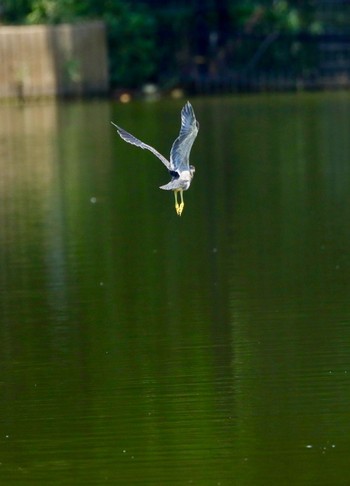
[[179, 168]]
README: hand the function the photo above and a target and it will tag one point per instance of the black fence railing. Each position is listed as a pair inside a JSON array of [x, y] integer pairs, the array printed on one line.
[[271, 62]]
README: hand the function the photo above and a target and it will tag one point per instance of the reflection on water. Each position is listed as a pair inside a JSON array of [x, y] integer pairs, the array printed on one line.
[[143, 348]]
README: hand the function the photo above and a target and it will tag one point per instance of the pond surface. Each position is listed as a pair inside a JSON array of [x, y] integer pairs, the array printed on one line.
[[140, 348]]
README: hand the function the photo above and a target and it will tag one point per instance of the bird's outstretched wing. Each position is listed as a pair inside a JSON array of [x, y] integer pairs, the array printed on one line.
[[180, 151], [135, 141]]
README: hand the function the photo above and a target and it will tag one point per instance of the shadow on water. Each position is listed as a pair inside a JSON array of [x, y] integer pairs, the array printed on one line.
[[144, 348]]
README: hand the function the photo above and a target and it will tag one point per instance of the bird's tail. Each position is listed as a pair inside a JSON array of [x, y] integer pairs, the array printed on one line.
[[171, 186]]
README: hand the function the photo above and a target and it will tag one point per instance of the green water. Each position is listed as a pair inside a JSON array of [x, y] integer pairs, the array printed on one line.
[[140, 348]]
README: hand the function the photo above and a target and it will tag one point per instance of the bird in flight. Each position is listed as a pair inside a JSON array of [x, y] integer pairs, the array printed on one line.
[[179, 167]]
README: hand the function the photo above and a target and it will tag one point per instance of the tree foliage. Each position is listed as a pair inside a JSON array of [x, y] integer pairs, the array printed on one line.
[[14, 11], [132, 44], [144, 44]]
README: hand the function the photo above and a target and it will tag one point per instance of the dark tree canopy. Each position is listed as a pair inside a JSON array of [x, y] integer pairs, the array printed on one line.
[[147, 38]]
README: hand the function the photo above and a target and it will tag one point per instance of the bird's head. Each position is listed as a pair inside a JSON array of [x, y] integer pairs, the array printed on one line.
[[192, 170]]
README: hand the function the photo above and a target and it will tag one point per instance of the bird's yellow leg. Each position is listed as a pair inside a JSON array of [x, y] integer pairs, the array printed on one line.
[[182, 204], [177, 207]]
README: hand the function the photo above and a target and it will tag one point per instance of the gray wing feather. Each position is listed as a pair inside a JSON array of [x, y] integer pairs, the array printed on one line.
[[135, 141], [180, 151]]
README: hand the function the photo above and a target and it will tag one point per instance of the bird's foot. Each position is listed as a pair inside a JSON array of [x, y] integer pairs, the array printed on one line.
[[179, 208]]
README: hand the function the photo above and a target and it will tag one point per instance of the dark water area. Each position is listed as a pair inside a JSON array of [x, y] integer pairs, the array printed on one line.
[[139, 347]]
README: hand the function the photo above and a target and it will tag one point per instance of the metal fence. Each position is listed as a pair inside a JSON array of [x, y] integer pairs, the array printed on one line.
[[65, 60], [217, 56], [246, 62]]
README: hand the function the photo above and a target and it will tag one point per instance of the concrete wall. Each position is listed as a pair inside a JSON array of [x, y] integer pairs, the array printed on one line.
[[63, 60]]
